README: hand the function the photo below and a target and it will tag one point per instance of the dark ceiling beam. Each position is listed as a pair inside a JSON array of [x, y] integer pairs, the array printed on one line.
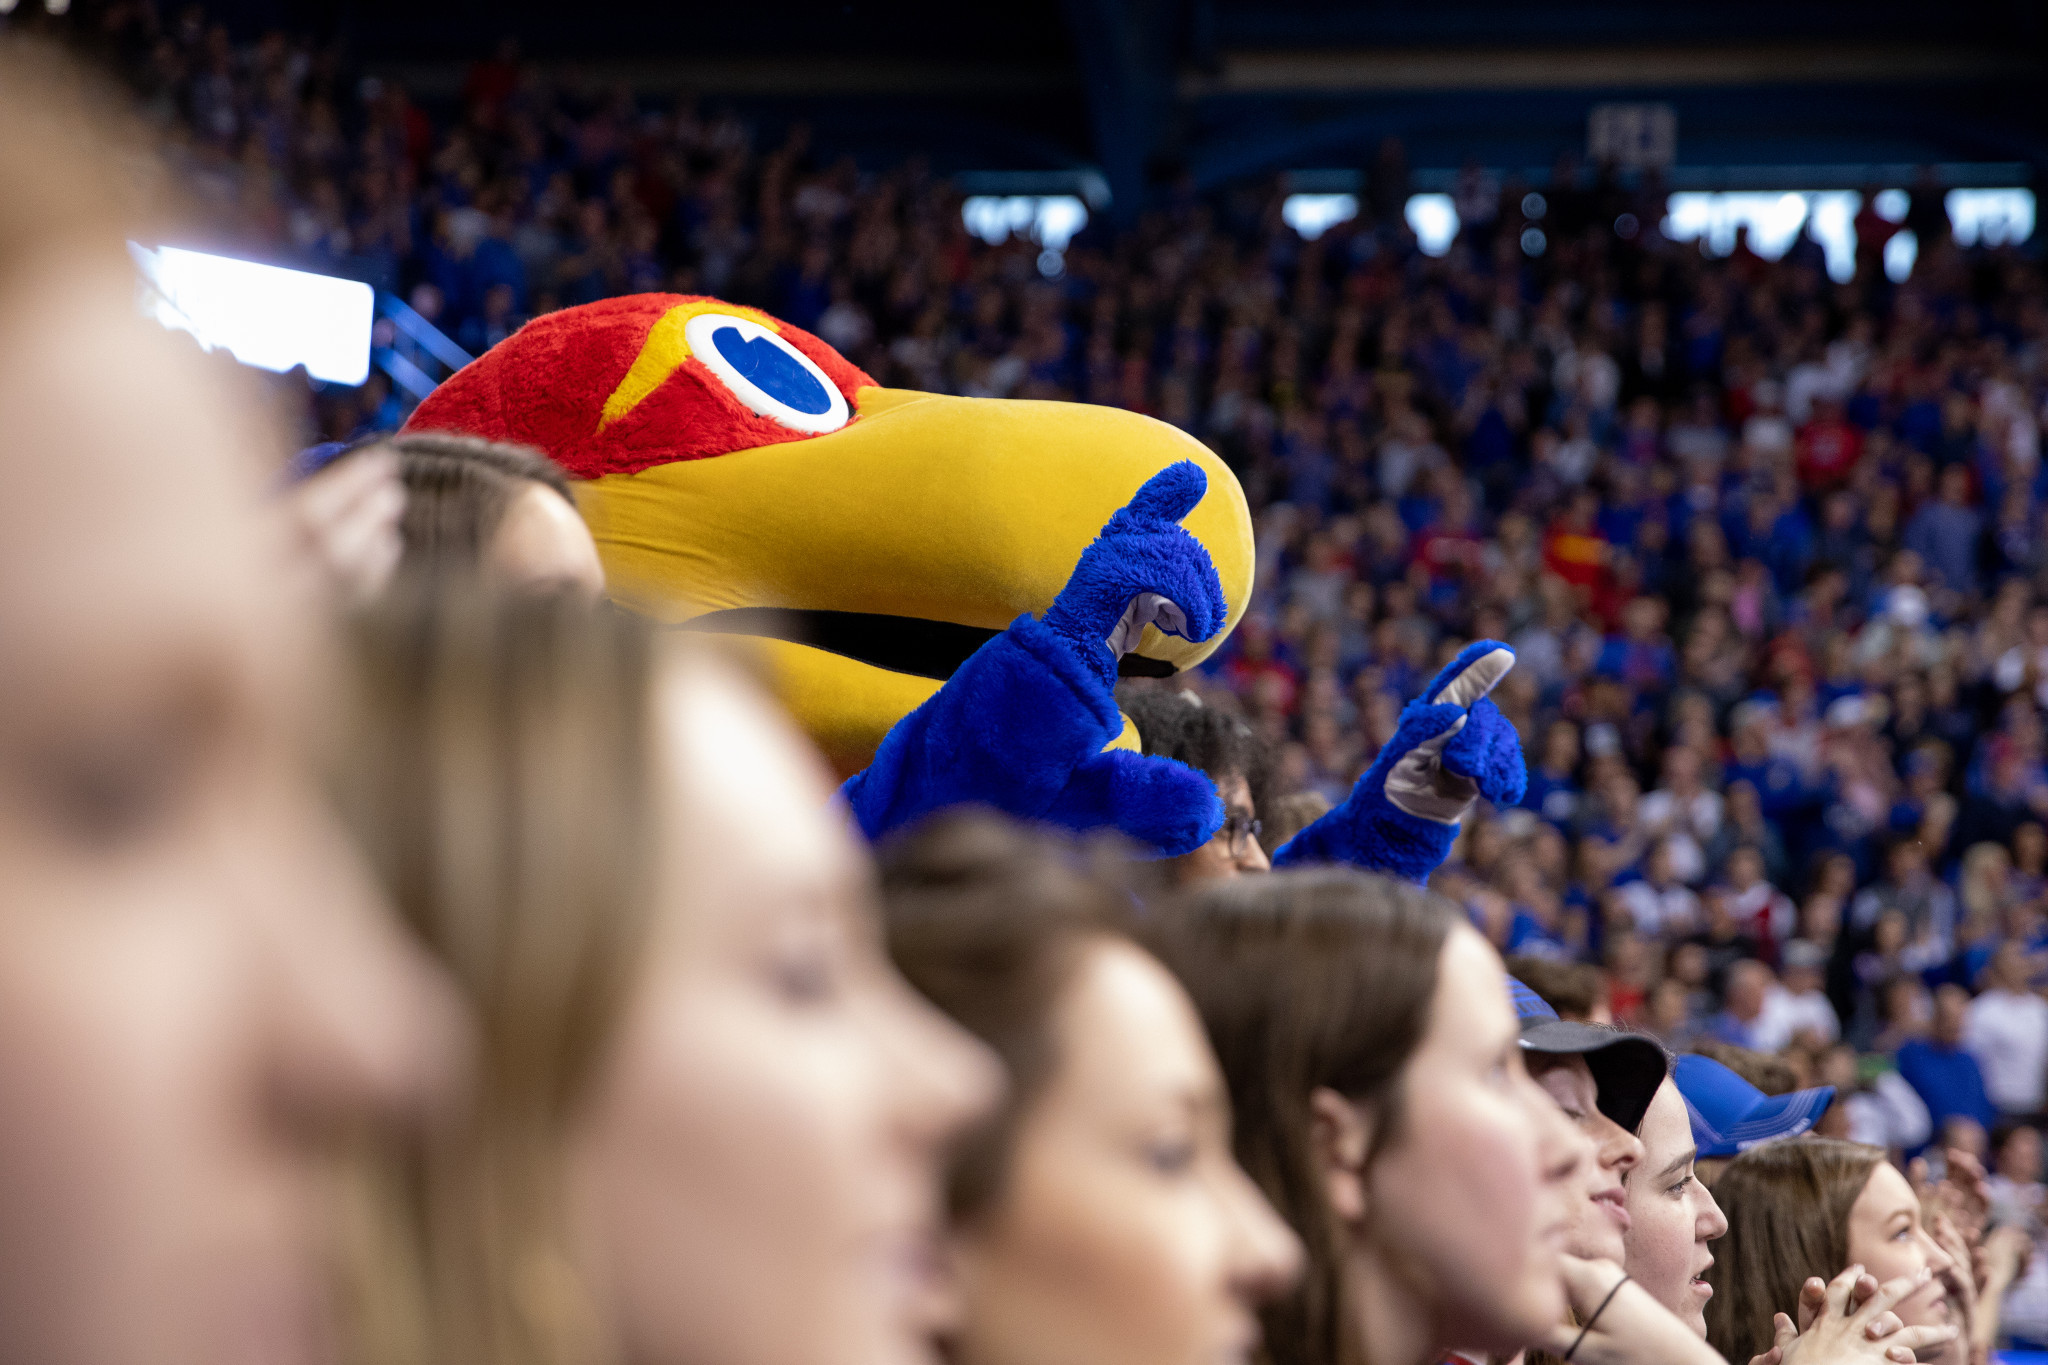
[[1361, 71], [1129, 52], [809, 77]]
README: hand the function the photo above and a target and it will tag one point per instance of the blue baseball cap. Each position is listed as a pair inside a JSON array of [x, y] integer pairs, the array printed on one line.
[[1627, 1067], [1730, 1116]]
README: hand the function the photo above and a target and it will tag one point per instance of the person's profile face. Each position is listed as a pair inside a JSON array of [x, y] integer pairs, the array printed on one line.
[[1473, 1193], [1672, 1216], [2020, 1158], [199, 993], [755, 1177], [1888, 1238], [1601, 1217], [1125, 1233], [1234, 850]]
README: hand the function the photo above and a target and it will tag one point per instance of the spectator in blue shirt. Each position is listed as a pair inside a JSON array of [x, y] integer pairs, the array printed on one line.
[[1940, 1072], [1944, 532], [1641, 655], [1553, 790], [1780, 787]]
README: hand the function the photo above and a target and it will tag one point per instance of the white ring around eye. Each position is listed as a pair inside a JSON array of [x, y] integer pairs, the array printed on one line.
[[702, 333]]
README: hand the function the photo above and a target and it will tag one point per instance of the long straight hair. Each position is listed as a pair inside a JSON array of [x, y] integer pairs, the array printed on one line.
[[502, 784], [1309, 980], [1787, 1205]]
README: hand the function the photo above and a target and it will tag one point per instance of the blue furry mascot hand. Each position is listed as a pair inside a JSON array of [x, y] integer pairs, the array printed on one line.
[[1022, 726], [1452, 746]]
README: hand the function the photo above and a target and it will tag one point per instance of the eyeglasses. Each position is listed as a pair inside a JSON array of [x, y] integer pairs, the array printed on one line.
[[1238, 832]]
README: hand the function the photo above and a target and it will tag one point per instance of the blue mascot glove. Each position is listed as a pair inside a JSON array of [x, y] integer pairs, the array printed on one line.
[[1022, 726], [1452, 746], [1143, 569]]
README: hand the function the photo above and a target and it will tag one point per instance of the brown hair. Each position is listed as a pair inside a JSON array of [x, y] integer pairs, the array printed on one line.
[[503, 786], [1309, 980], [990, 920], [1573, 989], [457, 490], [1175, 723], [1772, 1075], [1787, 1205], [1291, 815]]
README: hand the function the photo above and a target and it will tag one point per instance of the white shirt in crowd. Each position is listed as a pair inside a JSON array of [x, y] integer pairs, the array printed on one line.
[[1690, 823], [1760, 902], [1786, 1014], [1672, 911], [2007, 1032], [1890, 1113]]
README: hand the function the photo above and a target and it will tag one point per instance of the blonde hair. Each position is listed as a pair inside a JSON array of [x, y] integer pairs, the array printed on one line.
[[504, 788], [1983, 865]]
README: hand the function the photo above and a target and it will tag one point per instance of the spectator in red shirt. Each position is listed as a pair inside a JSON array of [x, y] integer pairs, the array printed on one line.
[[1827, 448], [1575, 550], [1450, 547], [1256, 659]]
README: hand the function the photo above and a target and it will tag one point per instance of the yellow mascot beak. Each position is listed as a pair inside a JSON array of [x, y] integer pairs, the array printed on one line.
[[868, 563]]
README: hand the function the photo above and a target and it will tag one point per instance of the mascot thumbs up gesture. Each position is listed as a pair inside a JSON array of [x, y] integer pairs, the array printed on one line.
[[1023, 726], [1451, 747]]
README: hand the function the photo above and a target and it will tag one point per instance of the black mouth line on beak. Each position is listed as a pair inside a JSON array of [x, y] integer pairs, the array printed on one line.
[[900, 644]]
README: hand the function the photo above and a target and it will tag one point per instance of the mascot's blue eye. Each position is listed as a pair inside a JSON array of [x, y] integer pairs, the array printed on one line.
[[766, 373], [774, 371]]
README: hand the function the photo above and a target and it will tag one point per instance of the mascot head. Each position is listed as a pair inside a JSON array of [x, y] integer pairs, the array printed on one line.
[[740, 476]]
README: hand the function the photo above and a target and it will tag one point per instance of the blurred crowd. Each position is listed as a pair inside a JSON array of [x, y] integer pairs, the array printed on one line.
[[1768, 548]]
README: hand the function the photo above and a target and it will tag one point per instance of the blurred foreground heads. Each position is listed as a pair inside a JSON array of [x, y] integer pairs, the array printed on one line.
[[440, 507], [710, 1116], [199, 994]]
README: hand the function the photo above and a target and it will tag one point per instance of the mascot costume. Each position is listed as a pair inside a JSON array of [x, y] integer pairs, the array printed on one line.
[[943, 591]]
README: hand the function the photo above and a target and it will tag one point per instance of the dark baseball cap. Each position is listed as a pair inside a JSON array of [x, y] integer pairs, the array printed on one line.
[[1730, 1116], [1627, 1067]]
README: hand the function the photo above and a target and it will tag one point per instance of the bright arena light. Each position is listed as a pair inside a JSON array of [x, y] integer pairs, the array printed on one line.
[[1991, 217], [1773, 219], [1434, 221], [263, 315], [1051, 220], [1899, 254], [1988, 217], [1312, 215], [1431, 217], [1831, 218]]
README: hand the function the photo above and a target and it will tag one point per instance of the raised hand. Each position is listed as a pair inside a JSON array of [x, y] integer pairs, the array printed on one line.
[[1023, 726], [1451, 747], [1142, 569], [1849, 1321], [1621, 1323], [343, 525], [1465, 747]]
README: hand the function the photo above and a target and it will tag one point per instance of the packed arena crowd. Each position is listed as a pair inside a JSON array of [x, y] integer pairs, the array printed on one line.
[[639, 1078]]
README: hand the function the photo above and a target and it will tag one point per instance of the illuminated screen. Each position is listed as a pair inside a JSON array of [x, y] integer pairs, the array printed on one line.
[[263, 315]]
